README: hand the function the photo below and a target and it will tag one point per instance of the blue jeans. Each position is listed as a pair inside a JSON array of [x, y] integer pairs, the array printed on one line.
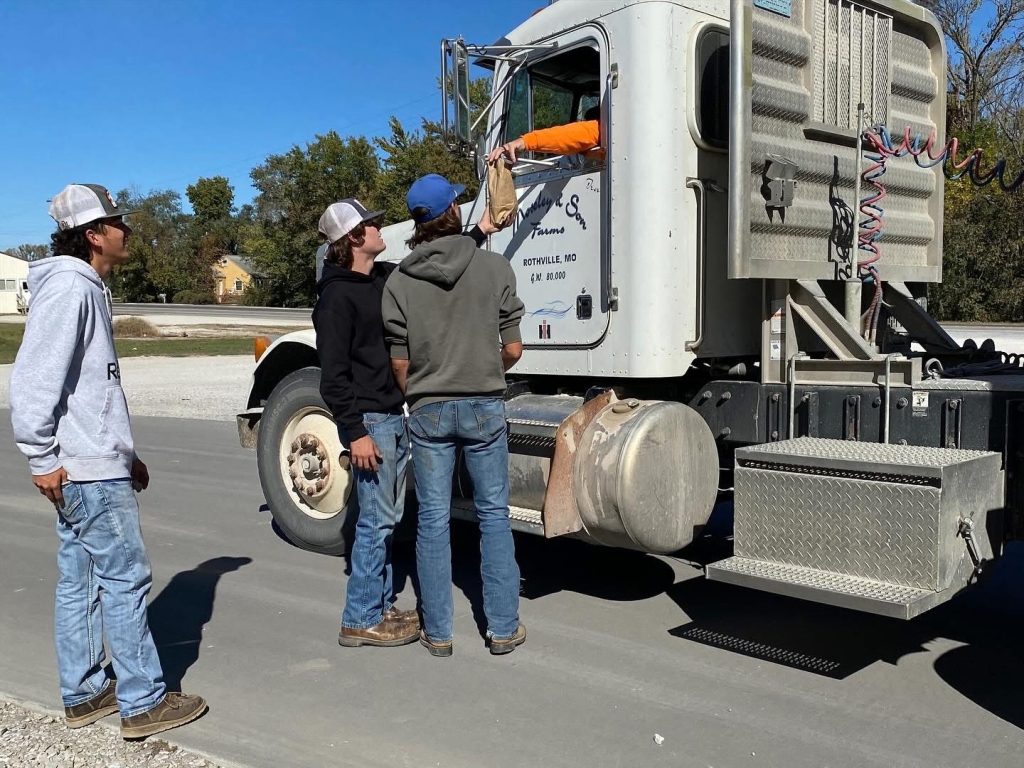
[[380, 497], [104, 580], [477, 425]]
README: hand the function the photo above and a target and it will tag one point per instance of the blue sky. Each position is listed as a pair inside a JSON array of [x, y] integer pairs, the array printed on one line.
[[156, 94]]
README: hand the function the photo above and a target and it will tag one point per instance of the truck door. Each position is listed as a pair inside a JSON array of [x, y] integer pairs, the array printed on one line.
[[558, 245]]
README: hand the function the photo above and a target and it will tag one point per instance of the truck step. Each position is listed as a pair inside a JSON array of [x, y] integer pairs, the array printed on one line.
[[523, 518], [826, 587], [887, 529]]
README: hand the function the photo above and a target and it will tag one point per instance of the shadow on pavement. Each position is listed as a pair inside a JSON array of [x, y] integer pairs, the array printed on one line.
[[548, 566], [178, 614], [987, 618]]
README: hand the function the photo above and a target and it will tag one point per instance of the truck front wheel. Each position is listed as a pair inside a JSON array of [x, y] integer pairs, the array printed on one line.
[[306, 481]]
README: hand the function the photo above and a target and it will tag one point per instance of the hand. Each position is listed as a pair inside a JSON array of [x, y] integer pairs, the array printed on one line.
[[365, 453], [507, 150], [487, 226], [50, 485], [140, 475]]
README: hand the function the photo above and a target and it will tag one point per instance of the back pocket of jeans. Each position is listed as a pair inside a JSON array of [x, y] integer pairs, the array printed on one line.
[[424, 422], [490, 416]]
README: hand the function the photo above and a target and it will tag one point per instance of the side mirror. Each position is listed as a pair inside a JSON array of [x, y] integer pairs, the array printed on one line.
[[455, 108]]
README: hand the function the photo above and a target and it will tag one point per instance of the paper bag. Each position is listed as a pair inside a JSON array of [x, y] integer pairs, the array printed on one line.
[[501, 193]]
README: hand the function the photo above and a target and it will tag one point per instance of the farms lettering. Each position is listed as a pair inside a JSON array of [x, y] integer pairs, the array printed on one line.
[[544, 204]]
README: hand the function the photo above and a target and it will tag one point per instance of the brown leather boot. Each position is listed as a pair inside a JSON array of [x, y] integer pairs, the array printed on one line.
[[94, 709], [436, 648], [176, 709], [389, 633], [411, 617], [505, 645]]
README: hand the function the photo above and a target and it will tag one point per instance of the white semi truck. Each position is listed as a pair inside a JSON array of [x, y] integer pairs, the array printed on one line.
[[700, 321]]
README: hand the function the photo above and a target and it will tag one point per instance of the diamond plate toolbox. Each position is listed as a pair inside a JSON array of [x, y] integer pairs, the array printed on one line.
[[889, 513]]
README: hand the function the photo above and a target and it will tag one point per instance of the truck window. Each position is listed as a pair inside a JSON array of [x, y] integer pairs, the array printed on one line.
[[712, 108], [554, 91]]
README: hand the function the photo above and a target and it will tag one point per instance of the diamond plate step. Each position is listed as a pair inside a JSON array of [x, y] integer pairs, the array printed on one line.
[[523, 518], [825, 587]]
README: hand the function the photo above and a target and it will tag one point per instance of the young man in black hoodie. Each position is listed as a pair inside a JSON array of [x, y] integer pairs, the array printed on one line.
[[359, 388]]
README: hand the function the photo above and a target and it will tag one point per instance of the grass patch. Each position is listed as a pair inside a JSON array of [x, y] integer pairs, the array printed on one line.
[[135, 328], [11, 333]]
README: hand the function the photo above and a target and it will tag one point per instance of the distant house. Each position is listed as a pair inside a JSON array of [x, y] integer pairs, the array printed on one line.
[[232, 275], [14, 295]]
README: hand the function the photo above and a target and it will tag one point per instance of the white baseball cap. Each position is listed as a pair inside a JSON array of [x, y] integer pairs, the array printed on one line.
[[342, 217], [79, 204]]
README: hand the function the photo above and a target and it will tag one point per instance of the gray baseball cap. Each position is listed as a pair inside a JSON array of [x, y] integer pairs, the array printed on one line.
[[80, 204], [342, 217]]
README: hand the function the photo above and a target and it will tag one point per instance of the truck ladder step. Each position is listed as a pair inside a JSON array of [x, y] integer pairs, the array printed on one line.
[[825, 587], [523, 518]]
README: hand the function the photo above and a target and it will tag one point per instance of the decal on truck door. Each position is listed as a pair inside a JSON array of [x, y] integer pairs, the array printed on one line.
[[555, 249]]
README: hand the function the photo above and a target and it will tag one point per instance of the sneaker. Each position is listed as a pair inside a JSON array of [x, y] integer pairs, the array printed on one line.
[[501, 646], [175, 709], [96, 708], [387, 634], [435, 648]]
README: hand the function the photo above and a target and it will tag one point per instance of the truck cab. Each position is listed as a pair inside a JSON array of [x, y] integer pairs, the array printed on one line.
[[704, 322]]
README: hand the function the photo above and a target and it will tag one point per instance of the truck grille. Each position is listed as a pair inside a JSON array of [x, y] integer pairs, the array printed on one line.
[[852, 47]]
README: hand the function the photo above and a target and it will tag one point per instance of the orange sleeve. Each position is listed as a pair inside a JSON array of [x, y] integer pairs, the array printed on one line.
[[568, 139]]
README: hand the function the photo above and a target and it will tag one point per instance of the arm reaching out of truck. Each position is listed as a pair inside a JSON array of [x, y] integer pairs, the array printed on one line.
[[568, 139]]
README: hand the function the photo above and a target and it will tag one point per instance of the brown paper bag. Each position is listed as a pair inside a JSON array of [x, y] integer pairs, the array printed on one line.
[[501, 193]]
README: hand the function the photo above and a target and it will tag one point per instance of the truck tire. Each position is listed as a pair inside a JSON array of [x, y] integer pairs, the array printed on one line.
[[298, 437]]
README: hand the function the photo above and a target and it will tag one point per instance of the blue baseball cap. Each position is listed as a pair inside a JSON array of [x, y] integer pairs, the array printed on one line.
[[431, 195]]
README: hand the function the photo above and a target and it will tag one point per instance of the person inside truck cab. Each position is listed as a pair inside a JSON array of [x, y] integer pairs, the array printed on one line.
[[580, 137]]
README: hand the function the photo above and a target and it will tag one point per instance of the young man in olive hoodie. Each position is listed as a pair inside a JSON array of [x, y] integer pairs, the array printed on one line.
[[451, 318], [70, 419]]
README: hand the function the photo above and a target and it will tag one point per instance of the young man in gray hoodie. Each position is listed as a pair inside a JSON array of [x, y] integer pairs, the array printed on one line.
[[451, 322], [70, 420]]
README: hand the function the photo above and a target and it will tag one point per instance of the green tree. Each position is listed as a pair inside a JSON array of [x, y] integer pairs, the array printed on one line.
[[294, 190], [407, 156], [212, 199], [163, 258]]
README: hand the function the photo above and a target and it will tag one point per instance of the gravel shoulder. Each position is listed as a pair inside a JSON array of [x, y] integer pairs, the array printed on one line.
[[210, 388], [34, 737]]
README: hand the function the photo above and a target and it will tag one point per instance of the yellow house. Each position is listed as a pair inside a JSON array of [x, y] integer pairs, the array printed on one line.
[[233, 274]]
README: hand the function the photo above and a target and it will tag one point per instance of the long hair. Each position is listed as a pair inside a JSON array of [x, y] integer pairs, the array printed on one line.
[[339, 252], [448, 223], [72, 242]]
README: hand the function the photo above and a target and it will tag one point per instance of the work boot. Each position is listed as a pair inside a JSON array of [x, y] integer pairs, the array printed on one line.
[[94, 709], [410, 617], [175, 709], [387, 634], [435, 648], [500, 646]]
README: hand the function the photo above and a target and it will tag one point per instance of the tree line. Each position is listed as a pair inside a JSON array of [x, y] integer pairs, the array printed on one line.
[[173, 252]]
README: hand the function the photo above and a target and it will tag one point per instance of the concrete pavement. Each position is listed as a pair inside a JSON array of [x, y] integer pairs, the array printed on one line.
[[622, 646]]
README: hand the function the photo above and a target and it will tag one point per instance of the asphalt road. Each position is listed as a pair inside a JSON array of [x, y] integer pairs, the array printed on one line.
[[622, 646], [221, 314]]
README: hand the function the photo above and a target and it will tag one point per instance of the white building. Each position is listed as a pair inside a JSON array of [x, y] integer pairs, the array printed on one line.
[[14, 294]]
